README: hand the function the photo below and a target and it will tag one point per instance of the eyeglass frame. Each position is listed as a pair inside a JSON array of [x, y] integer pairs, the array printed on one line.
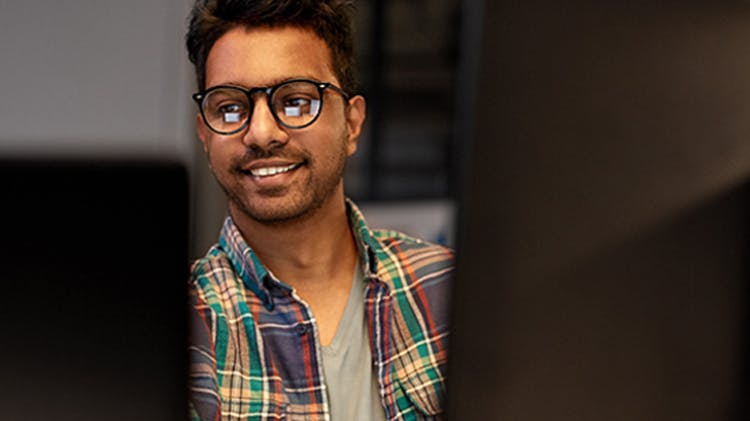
[[199, 98]]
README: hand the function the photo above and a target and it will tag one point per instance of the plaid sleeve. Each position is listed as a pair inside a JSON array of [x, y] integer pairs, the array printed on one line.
[[203, 385], [420, 276]]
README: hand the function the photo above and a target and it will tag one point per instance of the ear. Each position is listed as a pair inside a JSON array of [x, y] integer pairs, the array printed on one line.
[[355, 118], [203, 131]]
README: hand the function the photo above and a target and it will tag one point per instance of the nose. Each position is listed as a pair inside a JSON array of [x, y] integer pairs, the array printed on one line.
[[263, 130]]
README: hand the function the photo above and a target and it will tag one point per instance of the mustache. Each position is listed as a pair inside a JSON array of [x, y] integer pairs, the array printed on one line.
[[274, 151]]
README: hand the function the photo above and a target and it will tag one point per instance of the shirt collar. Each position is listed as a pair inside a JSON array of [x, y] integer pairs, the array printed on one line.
[[260, 281]]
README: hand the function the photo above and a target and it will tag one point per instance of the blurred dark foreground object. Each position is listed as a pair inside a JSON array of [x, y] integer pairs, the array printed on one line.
[[93, 267], [603, 240]]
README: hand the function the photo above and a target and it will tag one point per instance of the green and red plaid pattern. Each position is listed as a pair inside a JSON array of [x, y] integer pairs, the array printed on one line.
[[254, 348]]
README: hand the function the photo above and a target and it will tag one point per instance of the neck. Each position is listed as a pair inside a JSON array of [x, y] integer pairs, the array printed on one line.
[[310, 254]]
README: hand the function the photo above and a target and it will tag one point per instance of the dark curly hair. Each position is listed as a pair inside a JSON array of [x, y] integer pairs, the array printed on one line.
[[328, 19]]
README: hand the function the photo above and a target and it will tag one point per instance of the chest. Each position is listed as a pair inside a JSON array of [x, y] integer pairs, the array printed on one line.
[[271, 363]]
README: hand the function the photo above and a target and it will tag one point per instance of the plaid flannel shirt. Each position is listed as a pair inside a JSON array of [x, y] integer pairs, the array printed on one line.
[[254, 348]]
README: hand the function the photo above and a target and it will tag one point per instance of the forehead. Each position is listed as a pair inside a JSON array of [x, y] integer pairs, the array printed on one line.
[[265, 56]]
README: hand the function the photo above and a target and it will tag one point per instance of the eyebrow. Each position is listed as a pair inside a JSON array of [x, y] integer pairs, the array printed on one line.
[[273, 82]]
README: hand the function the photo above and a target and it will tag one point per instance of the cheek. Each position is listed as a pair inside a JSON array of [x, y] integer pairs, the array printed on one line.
[[218, 158]]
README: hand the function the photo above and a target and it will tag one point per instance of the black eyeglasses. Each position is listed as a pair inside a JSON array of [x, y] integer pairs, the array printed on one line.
[[295, 104]]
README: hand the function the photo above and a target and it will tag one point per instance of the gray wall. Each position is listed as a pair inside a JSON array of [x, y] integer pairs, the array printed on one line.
[[94, 76]]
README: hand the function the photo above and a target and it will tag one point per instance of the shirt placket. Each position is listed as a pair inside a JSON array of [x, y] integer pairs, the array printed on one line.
[[315, 398], [378, 323]]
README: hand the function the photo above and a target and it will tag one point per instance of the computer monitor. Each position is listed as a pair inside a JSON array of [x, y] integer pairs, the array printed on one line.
[[603, 226], [93, 276]]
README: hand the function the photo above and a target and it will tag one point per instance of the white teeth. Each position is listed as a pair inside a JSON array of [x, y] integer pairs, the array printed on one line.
[[268, 171]]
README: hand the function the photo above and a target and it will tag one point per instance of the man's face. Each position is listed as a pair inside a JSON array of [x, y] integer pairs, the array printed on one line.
[[271, 173]]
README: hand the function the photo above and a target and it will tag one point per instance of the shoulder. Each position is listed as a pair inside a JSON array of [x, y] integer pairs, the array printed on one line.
[[214, 259], [420, 258], [213, 269], [417, 272], [395, 250], [215, 284]]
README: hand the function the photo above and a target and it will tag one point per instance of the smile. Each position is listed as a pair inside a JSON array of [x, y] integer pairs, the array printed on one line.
[[270, 171]]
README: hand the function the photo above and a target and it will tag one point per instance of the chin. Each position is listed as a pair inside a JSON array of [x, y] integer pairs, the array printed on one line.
[[287, 211]]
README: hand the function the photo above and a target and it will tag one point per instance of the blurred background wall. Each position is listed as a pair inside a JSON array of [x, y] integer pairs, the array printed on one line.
[[111, 78], [94, 77]]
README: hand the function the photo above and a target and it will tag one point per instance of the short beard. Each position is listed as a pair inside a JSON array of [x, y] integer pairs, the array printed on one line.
[[284, 217], [304, 207]]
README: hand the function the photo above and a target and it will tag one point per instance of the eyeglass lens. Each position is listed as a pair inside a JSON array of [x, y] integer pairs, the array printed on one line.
[[295, 104]]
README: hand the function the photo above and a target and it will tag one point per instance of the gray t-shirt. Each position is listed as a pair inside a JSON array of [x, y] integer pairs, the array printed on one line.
[[353, 390]]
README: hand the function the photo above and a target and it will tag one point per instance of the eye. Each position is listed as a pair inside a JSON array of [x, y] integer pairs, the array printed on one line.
[[230, 108], [296, 102], [299, 105], [231, 112]]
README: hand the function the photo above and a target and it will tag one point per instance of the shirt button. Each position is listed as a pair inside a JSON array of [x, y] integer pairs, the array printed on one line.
[[301, 329]]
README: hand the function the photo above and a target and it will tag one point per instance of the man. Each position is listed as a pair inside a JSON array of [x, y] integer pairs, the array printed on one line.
[[301, 311]]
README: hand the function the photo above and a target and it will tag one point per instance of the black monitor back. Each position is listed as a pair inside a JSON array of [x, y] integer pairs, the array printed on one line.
[[93, 267], [603, 232]]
